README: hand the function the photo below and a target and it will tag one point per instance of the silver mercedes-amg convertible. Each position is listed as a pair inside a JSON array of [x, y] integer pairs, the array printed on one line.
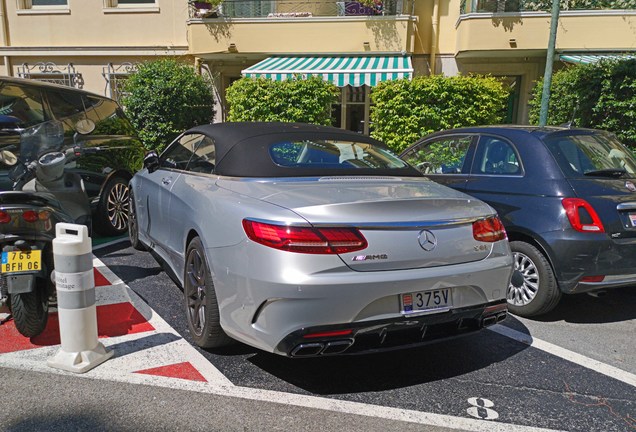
[[307, 240]]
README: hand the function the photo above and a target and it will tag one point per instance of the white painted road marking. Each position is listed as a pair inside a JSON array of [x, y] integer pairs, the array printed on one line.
[[571, 356]]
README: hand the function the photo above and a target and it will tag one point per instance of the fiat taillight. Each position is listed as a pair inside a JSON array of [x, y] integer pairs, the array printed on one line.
[[305, 239], [582, 215]]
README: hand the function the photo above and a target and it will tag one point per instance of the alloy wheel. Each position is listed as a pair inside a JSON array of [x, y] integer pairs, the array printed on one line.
[[195, 291], [522, 290], [117, 206]]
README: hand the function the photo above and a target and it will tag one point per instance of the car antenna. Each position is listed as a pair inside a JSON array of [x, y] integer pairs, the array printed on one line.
[[571, 122]]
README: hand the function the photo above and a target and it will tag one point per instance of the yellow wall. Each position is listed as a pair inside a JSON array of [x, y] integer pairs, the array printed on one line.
[[335, 35], [575, 32], [90, 24]]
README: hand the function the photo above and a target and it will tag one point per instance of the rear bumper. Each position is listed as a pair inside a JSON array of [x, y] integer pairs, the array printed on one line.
[[390, 334], [579, 255]]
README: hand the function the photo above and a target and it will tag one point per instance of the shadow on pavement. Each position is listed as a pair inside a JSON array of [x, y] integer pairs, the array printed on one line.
[[391, 370], [615, 305]]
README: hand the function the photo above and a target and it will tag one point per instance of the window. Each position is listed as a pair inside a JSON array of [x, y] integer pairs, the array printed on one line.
[[36, 3], [596, 154], [50, 72], [442, 156], [23, 104], [114, 5], [204, 157], [56, 6], [178, 154], [495, 156], [332, 154]]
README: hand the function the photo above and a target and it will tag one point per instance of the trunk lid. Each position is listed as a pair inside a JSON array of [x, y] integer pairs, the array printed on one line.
[[408, 223]]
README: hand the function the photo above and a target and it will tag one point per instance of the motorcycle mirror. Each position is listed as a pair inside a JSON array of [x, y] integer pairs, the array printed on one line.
[[85, 126], [8, 158], [151, 161]]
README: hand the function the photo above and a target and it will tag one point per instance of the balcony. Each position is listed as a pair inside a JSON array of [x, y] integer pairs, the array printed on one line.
[[498, 6], [241, 28], [298, 9], [521, 28]]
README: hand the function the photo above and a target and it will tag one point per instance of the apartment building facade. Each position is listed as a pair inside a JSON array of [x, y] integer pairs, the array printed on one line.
[[351, 44], [89, 44]]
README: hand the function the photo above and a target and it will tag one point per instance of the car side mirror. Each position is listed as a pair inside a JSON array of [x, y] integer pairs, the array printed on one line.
[[151, 161]]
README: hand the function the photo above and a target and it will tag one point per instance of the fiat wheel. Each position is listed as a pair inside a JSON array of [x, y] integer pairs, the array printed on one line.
[[533, 289]]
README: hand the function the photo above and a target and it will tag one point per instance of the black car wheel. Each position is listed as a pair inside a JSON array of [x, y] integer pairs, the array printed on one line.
[[200, 300], [112, 212], [533, 289], [133, 227]]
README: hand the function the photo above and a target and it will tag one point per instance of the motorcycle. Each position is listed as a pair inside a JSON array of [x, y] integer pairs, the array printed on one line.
[[44, 193]]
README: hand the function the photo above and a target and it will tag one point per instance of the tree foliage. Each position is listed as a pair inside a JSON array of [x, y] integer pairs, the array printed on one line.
[[404, 110], [600, 95], [164, 98], [294, 100]]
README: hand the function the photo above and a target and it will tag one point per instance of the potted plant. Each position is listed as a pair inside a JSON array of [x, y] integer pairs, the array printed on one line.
[[206, 8]]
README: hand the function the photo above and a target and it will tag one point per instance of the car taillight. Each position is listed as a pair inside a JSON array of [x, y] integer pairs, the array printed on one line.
[[4, 217], [30, 216], [577, 210], [305, 239], [489, 230]]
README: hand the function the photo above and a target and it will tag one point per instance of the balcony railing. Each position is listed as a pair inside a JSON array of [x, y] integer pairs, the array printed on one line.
[[299, 9], [494, 6]]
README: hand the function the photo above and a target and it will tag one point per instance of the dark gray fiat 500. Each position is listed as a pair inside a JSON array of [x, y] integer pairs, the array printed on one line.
[[567, 198]]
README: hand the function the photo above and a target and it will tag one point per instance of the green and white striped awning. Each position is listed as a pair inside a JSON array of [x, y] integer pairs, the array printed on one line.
[[593, 58], [342, 71]]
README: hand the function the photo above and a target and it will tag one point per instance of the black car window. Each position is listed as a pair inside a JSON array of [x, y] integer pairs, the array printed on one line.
[[107, 116], [21, 106], [203, 158], [69, 107], [591, 154], [178, 154], [332, 154], [440, 156], [496, 156]]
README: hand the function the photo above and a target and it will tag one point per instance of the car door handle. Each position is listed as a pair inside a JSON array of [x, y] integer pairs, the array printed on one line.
[[166, 180]]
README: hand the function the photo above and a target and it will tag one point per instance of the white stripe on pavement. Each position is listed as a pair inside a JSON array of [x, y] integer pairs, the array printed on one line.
[[579, 359]]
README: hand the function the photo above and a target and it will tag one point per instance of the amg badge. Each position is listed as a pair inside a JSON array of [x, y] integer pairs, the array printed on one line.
[[370, 257]]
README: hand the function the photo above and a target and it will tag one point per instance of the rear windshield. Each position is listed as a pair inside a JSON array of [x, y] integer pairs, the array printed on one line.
[[332, 154], [592, 155]]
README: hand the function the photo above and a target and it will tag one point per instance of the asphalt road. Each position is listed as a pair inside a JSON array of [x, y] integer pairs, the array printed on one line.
[[560, 382]]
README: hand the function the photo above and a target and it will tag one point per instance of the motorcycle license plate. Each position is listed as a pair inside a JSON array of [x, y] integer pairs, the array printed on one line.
[[21, 261]]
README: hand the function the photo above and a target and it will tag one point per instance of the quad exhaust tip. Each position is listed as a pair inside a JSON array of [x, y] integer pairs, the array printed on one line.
[[321, 348]]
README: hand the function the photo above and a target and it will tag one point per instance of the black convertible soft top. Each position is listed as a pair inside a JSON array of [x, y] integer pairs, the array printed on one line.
[[242, 149]]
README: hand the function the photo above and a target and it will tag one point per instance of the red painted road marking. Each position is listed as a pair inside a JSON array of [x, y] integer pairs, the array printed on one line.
[[183, 370], [112, 320], [100, 279]]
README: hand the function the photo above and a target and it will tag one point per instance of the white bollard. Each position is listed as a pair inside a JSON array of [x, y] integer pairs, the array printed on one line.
[[75, 283]]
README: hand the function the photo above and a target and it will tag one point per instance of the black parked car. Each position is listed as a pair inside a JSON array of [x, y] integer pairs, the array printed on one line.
[[567, 198], [104, 171]]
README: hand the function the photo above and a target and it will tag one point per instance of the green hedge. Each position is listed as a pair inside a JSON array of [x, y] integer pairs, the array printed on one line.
[[600, 95], [404, 110], [164, 98], [294, 100]]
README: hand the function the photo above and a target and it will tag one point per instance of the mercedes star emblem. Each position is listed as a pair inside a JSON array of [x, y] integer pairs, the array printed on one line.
[[427, 240]]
